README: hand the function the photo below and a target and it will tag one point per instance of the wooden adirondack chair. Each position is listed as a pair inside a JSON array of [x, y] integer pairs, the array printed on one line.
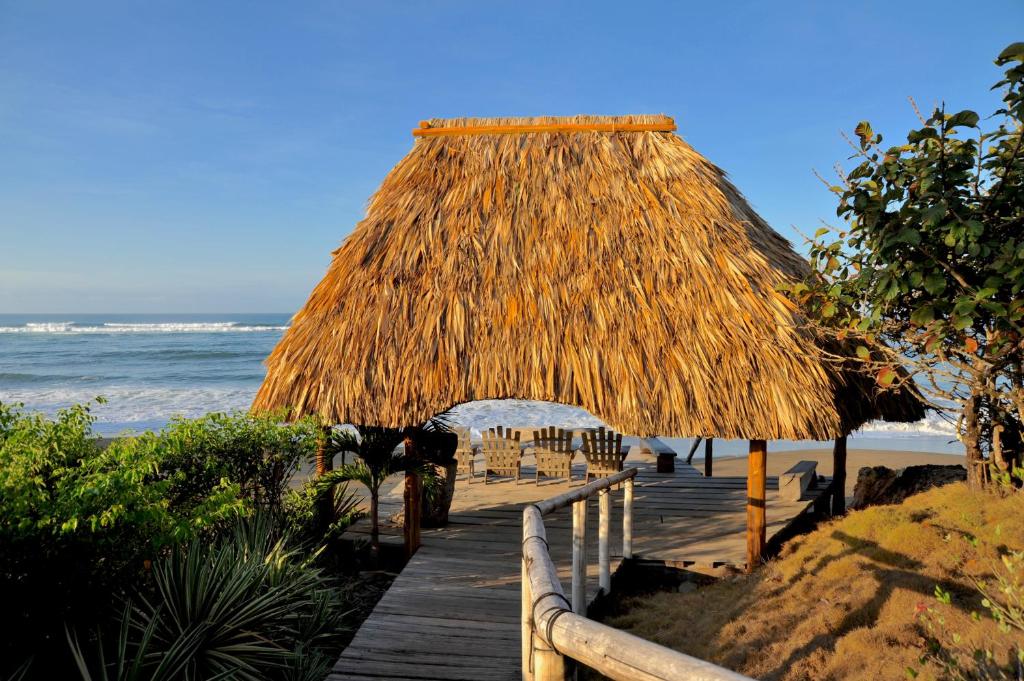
[[554, 452], [502, 454], [603, 452], [465, 455]]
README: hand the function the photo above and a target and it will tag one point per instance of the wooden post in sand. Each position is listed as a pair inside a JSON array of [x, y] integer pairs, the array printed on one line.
[[708, 456], [757, 468], [839, 476]]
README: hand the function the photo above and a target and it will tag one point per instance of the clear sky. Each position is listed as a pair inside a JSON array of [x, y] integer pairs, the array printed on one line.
[[207, 156]]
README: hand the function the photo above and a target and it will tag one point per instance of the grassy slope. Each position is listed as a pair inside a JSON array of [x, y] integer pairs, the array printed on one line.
[[843, 601]]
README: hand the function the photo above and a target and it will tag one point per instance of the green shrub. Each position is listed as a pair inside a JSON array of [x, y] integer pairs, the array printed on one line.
[[249, 606], [257, 452], [79, 523]]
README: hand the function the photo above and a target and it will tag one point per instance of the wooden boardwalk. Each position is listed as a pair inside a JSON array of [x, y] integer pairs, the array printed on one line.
[[453, 613]]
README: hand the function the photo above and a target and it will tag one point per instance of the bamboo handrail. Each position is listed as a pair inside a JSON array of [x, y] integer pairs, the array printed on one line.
[[551, 630], [426, 131]]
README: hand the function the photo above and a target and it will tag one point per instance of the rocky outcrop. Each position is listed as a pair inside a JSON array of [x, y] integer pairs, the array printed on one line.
[[880, 485]]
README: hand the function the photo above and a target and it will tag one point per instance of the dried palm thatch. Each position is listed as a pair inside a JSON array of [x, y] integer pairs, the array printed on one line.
[[593, 261]]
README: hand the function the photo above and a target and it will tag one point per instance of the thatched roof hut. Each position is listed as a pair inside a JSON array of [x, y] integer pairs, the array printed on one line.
[[593, 261]]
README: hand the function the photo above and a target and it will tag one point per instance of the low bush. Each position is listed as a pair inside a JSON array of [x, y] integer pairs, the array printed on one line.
[[82, 525]]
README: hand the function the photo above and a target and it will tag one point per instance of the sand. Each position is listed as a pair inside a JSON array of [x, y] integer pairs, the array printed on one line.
[[856, 459]]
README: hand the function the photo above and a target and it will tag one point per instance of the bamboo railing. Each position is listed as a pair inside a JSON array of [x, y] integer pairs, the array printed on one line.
[[554, 629]]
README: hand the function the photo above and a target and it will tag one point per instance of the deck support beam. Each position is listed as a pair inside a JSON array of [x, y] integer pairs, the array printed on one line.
[[839, 476], [757, 468], [709, 456]]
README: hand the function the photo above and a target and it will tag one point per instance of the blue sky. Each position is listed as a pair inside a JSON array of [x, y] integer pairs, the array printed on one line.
[[208, 156]]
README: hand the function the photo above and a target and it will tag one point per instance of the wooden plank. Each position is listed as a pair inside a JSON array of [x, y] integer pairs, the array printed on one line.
[[458, 600]]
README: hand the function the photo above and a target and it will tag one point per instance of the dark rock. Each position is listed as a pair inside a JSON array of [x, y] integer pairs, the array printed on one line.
[[880, 485]]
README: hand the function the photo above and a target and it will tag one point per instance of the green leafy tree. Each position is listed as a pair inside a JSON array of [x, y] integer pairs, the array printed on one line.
[[926, 273]]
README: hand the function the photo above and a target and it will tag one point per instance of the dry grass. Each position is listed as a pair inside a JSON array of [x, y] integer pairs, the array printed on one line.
[[617, 271], [842, 602]]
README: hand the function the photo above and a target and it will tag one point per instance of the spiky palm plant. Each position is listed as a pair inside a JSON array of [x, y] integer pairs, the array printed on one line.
[[249, 607], [379, 457]]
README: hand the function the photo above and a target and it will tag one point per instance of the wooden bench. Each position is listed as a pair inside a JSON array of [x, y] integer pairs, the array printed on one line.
[[797, 480], [666, 456]]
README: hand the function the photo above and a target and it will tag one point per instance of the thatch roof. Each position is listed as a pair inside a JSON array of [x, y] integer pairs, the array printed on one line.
[[610, 267]]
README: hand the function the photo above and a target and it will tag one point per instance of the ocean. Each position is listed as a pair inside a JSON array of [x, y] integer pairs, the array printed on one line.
[[150, 367]]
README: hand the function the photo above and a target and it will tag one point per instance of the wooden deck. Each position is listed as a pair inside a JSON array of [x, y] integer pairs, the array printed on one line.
[[453, 613]]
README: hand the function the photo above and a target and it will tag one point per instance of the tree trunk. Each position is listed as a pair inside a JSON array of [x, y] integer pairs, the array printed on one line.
[[323, 465], [972, 443]]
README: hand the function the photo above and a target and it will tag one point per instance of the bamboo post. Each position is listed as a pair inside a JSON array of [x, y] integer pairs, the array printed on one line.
[[548, 663], [526, 609], [604, 573], [579, 557], [839, 476], [708, 456], [756, 488], [627, 520]]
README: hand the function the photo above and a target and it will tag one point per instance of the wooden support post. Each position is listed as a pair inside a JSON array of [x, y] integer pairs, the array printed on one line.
[[413, 498], [526, 628], [548, 663], [708, 456], [839, 476], [693, 450], [757, 467], [579, 557], [604, 574], [627, 520]]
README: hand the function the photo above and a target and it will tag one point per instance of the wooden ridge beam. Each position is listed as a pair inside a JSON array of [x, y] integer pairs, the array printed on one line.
[[426, 131]]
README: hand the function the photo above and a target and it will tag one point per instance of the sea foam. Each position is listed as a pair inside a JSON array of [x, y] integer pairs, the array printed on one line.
[[117, 327]]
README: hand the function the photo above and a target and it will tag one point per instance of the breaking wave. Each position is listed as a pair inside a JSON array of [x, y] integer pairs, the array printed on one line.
[[158, 327]]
